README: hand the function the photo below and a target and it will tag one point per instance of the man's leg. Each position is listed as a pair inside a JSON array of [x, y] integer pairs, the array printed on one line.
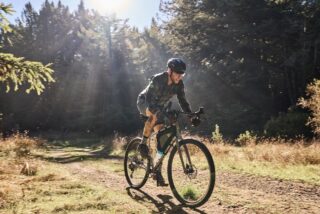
[[158, 127], [159, 177], [148, 126]]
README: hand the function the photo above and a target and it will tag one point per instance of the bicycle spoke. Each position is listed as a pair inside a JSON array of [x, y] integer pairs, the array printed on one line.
[[136, 167], [191, 184]]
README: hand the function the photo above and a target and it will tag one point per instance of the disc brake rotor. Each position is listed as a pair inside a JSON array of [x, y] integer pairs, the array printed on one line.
[[191, 171]]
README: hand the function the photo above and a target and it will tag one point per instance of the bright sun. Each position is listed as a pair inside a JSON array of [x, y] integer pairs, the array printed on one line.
[[110, 6]]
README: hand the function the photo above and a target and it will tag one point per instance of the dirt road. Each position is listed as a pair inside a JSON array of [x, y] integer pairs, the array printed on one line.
[[234, 193]]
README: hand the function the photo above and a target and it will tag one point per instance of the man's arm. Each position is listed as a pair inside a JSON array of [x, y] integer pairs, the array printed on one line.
[[182, 99], [152, 96]]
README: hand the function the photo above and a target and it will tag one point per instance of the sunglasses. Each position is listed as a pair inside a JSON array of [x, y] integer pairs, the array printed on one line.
[[179, 74]]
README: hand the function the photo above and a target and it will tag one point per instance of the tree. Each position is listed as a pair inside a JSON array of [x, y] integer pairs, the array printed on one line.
[[4, 23], [15, 70], [254, 56], [313, 104]]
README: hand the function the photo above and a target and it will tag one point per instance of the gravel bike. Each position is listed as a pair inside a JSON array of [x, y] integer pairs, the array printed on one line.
[[191, 169]]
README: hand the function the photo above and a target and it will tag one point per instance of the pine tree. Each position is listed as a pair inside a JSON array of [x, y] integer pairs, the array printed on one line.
[[16, 71]]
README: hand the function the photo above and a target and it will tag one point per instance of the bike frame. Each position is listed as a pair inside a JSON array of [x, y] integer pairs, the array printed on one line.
[[174, 142]]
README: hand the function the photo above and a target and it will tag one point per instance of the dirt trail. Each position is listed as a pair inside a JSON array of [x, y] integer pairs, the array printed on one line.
[[234, 193]]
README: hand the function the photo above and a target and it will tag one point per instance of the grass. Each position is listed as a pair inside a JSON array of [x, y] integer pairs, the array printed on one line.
[[276, 158], [108, 166], [190, 193], [53, 189], [276, 151], [309, 173], [273, 158]]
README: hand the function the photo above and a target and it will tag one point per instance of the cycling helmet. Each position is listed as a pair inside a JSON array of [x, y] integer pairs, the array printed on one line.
[[177, 65]]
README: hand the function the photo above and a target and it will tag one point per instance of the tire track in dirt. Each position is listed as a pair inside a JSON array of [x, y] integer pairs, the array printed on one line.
[[296, 190], [273, 195], [234, 193]]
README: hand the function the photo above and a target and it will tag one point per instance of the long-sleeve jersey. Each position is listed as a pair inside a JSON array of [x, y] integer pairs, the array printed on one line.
[[158, 93]]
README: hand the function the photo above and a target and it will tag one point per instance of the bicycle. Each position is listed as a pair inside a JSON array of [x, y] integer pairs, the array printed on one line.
[[191, 169]]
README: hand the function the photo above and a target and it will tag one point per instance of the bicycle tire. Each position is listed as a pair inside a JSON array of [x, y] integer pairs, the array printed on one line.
[[132, 147], [211, 167]]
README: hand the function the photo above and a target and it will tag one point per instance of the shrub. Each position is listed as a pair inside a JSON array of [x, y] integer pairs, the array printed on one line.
[[246, 138], [216, 135], [313, 103], [291, 125], [190, 192], [19, 145]]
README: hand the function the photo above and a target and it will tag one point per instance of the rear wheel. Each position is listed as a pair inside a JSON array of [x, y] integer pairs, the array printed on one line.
[[136, 168], [193, 184]]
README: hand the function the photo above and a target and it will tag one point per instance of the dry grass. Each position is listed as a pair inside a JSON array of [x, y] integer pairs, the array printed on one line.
[[272, 150], [8, 166], [14, 160], [276, 158], [15, 151], [19, 145], [56, 190], [10, 192], [297, 153], [53, 188], [119, 143]]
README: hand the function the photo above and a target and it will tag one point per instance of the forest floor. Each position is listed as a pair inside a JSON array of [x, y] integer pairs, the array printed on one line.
[[80, 180]]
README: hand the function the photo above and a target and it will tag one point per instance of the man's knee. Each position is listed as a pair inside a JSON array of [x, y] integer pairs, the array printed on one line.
[[152, 117], [158, 127]]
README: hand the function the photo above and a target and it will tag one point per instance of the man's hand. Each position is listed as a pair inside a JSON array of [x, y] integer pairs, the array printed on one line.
[[195, 121]]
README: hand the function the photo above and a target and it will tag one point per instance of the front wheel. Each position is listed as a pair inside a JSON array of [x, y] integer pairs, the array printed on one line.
[[136, 168], [191, 173]]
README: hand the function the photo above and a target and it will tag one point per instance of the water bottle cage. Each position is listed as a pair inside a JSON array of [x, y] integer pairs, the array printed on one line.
[[164, 137]]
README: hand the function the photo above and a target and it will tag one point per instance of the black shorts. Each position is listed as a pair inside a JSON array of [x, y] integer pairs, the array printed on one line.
[[142, 106]]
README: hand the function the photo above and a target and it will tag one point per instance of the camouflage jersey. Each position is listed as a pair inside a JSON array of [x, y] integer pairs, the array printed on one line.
[[158, 93]]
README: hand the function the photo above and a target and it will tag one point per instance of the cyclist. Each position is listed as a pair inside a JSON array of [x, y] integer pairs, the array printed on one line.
[[151, 100]]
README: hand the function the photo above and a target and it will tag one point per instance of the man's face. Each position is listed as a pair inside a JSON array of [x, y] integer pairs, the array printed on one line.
[[176, 77]]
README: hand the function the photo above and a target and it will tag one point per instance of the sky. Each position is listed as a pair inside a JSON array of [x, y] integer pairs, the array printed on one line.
[[139, 12]]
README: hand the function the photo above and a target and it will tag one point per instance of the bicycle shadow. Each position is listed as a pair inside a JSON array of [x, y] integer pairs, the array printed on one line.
[[166, 205]]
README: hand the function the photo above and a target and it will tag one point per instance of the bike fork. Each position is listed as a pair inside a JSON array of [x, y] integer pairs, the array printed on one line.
[[187, 154]]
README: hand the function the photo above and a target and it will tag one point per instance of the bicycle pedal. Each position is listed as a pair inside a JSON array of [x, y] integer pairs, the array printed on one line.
[[161, 184], [159, 180], [154, 176]]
